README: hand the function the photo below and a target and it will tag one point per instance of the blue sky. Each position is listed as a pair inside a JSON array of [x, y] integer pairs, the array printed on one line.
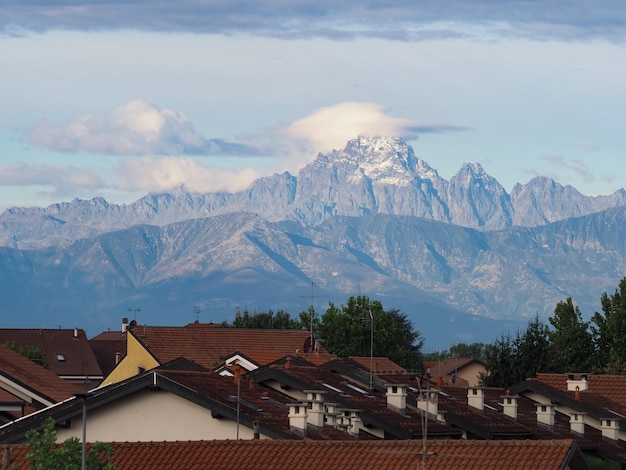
[[121, 98]]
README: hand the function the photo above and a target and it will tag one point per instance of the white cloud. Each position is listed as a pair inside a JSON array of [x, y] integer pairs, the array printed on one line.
[[134, 128], [22, 174], [151, 174], [331, 127]]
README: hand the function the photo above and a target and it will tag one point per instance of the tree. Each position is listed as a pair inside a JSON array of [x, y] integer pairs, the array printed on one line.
[[347, 331], [262, 320], [510, 360], [571, 342], [45, 454], [609, 331], [475, 350], [29, 352]]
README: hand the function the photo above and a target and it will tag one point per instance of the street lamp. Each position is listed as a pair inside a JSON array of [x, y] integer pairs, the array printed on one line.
[[84, 396]]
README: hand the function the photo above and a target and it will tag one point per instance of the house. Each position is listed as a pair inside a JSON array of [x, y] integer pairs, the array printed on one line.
[[348, 455], [148, 347], [464, 371], [26, 387], [67, 352], [109, 347]]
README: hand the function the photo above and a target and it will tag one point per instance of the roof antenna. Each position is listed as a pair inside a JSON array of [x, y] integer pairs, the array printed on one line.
[[197, 309]]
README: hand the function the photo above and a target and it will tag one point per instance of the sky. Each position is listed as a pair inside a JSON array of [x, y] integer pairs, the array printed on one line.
[[121, 98]]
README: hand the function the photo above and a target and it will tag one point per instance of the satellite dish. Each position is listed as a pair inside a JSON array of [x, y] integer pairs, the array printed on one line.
[[309, 345]]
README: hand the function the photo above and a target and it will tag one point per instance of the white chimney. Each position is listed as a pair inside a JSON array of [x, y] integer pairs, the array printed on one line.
[[428, 401], [297, 417], [509, 404], [545, 414], [610, 429], [315, 403], [331, 414], [476, 398], [396, 397], [124, 324], [573, 383], [350, 420], [577, 423]]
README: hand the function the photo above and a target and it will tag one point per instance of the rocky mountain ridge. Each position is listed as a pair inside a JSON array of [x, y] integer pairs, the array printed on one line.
[[372, 219], [369, 176]]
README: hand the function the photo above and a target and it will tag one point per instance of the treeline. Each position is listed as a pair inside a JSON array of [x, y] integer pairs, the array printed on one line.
[[565, 344], [359, 328]]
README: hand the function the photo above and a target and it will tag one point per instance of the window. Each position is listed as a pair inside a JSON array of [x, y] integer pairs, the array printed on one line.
[[60, 357]]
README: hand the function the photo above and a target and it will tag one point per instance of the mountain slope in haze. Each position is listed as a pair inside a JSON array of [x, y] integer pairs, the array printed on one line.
[[369, 176]]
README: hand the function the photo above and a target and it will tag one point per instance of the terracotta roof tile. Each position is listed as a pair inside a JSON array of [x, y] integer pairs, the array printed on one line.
[[380, 364], [78, 357], [208, 346], [348, 455], [34, 377], [612, 387]]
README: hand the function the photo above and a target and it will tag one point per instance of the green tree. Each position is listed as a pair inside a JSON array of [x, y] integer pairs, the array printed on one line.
[[347, 331], [571, 343], [45, 454], [30, 352], [269, 320], [609, 330], [513, 359]]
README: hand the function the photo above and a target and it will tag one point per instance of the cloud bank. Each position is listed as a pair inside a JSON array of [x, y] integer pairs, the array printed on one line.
[[135, 128], [160, 149], [392, 19]]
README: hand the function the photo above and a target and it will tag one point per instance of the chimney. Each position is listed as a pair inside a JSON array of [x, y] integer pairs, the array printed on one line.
[[75, 334], [509, 404], [350, 419], [118, 357], [124, 324], [255, 430], [297, 418], [610, 429], [545, 414], [476, 398], [331, 414], [315, 404], [396, 397], [573, 383], [428, 401], [577, 423], [288, 362], [6, 457]]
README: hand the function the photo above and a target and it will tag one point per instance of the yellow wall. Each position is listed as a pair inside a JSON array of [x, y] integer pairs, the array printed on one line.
[[136, 357]]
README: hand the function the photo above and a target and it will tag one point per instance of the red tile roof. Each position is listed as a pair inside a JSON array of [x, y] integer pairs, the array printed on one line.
[[79, 359], [40, 381], [612, 387], [347, 455], [208, 346], [380, 364]]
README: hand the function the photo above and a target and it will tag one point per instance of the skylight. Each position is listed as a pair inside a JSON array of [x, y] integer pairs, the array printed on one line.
[[335, 389], [60, 357], [356, 389]]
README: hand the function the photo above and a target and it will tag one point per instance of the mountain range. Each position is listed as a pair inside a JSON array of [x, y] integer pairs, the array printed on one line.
[[463, 258]]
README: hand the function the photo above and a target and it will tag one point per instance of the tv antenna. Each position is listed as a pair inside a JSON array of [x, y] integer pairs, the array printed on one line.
[[310, 344], [197, 310], [134, 311]]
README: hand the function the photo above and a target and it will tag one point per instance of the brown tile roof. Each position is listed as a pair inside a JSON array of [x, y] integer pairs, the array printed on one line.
[[106, 346], [449, 365], [380, 364], [612, 387], [35, 378], [208, 346], [79, 359], [348, 455]]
